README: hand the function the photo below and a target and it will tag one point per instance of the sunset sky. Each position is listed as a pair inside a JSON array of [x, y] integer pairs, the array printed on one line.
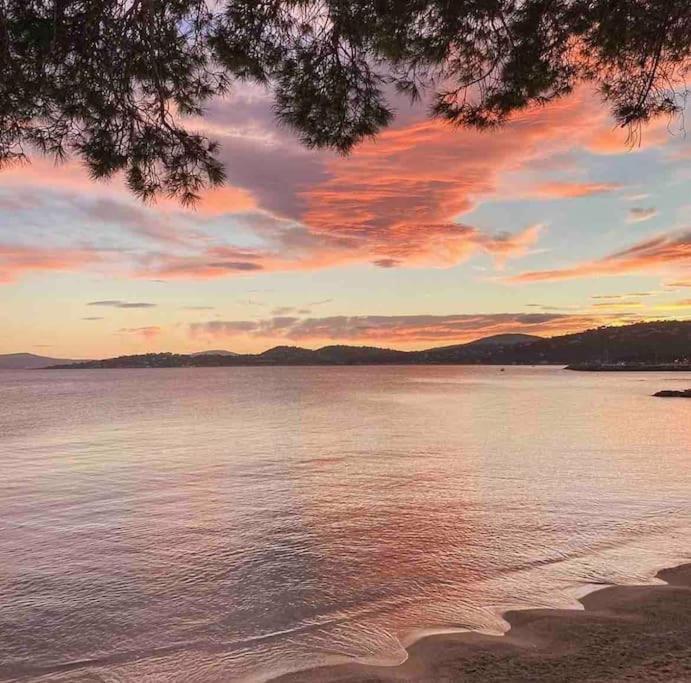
[[428, 235]]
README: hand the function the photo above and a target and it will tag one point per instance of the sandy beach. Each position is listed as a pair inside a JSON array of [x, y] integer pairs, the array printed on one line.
[[625, 633]]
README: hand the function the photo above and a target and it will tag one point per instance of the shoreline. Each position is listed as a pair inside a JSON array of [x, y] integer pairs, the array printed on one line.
[[620, 633]]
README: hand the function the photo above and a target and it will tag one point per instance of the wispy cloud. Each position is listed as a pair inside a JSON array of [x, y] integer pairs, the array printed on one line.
[[618, 304], [115, 303], [146, 332], [663, 251], [18, 260], [682, 303], [638, 215], [544, 307], [421, 245], [567, 190]]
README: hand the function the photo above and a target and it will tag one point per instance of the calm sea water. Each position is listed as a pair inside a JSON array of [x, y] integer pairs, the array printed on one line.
[[233, 523]]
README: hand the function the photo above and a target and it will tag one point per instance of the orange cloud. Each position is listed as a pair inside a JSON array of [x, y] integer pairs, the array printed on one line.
[[399, 196], [218, 201], [149, 332], [16, 260], [299, 249], [396, 201], [611, 139], [573, 190], [73, 178], [660, 252]]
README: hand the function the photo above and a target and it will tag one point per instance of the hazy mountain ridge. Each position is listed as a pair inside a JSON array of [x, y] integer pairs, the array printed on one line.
[[654, 342], [30, 361]]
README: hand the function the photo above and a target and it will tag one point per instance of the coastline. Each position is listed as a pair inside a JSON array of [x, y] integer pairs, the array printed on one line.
[[622, 633]]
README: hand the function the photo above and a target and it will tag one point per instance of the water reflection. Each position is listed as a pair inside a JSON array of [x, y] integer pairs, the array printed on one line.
[[220, 524]]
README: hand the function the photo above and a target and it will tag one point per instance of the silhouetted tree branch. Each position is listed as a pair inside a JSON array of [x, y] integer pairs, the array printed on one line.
[[111, 80]]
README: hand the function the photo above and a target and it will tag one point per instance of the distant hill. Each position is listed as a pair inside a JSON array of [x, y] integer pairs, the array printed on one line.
[[285, 355], [214, 352], [504, 340], [332, 355], [643, 343], [478, 351], [653, 343], [29, 361]]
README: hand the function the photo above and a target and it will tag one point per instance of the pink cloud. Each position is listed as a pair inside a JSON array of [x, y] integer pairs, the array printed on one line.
[[566, 190], [445, 245], [147, 333], [399, 196], [657, 253], [17, 260], [73, 180]]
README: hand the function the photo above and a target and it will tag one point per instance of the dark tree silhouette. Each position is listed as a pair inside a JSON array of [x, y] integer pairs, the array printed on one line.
[[111, 80]]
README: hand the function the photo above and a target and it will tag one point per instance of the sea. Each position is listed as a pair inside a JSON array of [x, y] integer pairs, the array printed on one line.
[[232, 524]]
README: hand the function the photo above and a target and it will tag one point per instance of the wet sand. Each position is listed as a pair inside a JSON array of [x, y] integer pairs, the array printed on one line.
[[625, 633]]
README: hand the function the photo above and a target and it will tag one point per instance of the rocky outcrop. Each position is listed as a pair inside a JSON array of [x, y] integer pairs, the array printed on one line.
[[672, 393]]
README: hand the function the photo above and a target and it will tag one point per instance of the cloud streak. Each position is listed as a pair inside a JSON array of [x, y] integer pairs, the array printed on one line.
[[147, 332], [638, 215], [115, 303], [663, 251], [430, 245], [19, 260], [567, 190]]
